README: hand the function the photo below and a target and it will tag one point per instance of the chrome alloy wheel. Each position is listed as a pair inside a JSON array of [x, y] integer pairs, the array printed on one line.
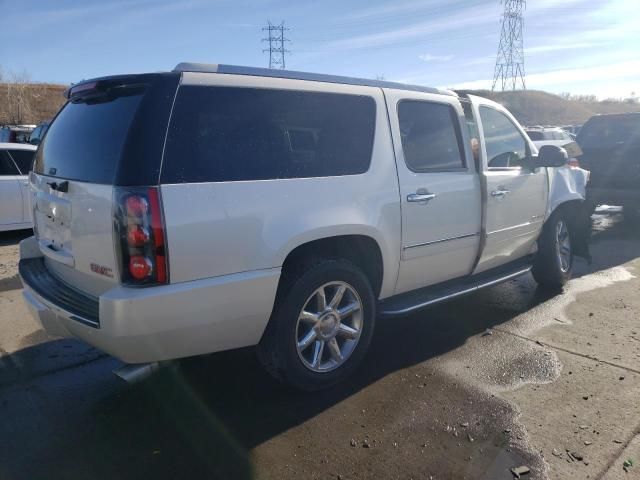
[[329, 326], [563, 246]]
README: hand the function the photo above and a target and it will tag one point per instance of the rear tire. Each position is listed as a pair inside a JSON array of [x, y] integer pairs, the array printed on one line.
[[554, 261], [315, 340]]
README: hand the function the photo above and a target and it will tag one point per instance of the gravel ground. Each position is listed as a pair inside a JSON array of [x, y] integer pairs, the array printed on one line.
[[504, 378]]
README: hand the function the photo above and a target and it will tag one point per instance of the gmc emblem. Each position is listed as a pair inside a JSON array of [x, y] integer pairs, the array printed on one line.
[[101, 270]]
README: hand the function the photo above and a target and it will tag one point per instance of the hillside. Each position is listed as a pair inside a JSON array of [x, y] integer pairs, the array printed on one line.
[[41, 101], [29, 103], [533, 107]]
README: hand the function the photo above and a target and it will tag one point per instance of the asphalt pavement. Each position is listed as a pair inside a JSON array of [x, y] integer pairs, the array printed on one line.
[[508, 377]]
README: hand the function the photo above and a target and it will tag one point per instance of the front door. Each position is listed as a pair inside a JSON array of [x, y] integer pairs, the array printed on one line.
[[439, 188], [516, 193]]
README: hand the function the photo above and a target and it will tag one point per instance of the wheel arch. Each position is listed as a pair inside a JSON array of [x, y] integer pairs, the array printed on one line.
[[361, 249]]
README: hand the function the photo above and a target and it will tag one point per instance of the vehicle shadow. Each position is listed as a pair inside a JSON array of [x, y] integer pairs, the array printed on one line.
[[614, 241], [204, 415]]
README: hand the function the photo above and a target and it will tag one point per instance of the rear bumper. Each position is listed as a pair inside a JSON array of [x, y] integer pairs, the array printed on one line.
[[140, 325], [613, 196]]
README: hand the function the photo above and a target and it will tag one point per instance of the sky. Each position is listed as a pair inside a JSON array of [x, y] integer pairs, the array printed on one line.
[[576, 46]]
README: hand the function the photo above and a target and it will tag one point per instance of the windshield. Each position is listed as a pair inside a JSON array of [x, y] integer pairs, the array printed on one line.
[[606, 132], [535, 135]]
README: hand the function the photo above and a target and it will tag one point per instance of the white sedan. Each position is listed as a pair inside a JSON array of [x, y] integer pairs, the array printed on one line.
[[16, 160]]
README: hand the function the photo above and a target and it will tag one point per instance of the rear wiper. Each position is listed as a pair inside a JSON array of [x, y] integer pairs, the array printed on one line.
[[59, 187]]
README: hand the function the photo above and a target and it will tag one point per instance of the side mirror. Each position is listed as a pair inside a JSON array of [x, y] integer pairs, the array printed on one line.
[[552, 156]]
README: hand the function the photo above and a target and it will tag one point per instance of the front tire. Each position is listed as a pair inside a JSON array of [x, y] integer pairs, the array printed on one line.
[[554, 261], [321, 326]]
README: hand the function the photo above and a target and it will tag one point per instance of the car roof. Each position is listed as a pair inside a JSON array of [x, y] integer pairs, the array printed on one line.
[[294, 75], [17, 146]]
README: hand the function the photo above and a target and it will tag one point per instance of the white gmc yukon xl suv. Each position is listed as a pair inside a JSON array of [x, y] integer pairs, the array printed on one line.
[[216, 207]]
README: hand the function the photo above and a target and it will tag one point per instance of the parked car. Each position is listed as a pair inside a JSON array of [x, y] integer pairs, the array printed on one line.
[[611, 147], [15, 133], [552, 136], [281, 209], [36, 136], [16, 161], [548, 136]]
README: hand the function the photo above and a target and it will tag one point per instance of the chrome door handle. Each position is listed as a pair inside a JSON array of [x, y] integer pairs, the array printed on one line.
[[420, 197], [500, 193]]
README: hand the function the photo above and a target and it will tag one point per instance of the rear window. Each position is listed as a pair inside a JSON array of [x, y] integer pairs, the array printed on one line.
[[604, 132], [220, 134], [86, 140], [23, 159]]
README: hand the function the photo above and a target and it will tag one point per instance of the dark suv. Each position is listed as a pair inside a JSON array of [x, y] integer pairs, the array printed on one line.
[[611, 146]]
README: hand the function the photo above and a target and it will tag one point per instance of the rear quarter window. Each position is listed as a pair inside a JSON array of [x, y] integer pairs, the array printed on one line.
[[220, 134]]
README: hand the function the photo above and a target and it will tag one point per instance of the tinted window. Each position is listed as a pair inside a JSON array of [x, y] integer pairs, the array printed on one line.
[[430, 136], [23, 159], [535, 135], [506, 147], [222, 134], [7, 167], [37, 134], [606, 132], [86, 140]]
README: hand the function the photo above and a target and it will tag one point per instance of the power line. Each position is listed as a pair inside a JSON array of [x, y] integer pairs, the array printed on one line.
[[509, 71], [276, 48]]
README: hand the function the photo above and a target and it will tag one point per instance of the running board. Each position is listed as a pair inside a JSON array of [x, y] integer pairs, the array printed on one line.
[[408, 302]]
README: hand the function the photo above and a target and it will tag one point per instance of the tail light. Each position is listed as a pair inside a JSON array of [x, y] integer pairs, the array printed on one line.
[[140, 233], [573, 162]]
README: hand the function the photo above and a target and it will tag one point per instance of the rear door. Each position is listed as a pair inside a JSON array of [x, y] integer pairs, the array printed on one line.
[[10, 196], [516, 194], [439, 188], [109, 134]]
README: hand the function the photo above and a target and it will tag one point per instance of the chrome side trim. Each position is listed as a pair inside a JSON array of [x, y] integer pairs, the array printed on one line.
[[434, 242], [433, 301], [512, 228]]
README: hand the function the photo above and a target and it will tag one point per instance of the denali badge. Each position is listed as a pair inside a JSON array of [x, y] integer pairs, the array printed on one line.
[[101, 270]]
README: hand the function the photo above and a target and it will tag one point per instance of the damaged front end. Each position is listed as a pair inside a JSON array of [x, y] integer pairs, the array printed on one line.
[[567, 190]]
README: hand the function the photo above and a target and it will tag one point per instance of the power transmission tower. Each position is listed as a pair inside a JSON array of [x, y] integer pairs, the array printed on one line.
[[276, 48], [509, 71]]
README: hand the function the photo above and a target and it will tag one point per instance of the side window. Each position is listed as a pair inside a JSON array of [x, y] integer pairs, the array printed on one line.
[[222, 134], [506, 147], [431, 139], [7, 167], [23, 159]]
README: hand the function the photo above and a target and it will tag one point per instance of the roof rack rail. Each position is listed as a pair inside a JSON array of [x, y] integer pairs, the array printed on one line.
[[316, 77]]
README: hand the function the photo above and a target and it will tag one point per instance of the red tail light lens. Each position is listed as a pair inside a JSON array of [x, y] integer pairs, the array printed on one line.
[[140, 267], [140, 229], [137, 236], [137, 206]]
